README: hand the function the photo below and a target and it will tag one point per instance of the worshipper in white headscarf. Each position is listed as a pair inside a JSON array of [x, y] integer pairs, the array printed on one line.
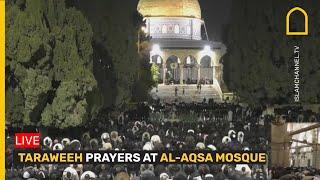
[[240, 137], [57, 147], [200, 146], [244, 169], [70, 174], [75, 145], [226, 140], [164, 176], [105, 137], [88, 175], [212, 147], [65, 142], [148, 146], [106, 146], [155, 139], [232, 134], [47, 142]]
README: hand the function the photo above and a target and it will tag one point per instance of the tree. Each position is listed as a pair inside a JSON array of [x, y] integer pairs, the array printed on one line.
[[259, 62], [48, 64], [69, 108], [155, 72], [119, 69], [14, 109]]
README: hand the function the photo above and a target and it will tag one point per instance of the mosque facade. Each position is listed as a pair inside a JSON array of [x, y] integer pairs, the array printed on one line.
[[180, 45]]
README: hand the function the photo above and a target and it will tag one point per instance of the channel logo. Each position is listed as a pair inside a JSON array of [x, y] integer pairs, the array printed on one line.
[[27, 140], [306, 22]]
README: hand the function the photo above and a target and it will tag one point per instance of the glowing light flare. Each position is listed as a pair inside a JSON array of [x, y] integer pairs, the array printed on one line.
[[188, 60], [156, 50], [144, 29], [159, 60], [207, 51], [207, 48]]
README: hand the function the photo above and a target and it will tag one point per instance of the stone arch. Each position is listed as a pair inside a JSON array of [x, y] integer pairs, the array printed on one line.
[[190, 70], [190, 61], [157, 59], [206, 62], [173, 70], [206, 70]]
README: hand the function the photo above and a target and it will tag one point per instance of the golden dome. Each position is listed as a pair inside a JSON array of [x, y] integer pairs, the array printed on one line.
[[170, 8]]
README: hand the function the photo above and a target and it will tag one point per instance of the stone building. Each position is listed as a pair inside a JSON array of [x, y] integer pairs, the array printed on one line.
[[181, 49], [296, 145]]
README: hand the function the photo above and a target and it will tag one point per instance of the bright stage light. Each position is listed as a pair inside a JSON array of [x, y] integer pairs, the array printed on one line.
[[188, 60], [156, 48], [156, 51], [207, 51], [144, 29], [159, 60], [207, 48]]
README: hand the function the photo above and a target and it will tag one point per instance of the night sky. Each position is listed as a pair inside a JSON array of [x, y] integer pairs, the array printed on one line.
[[216, 15]]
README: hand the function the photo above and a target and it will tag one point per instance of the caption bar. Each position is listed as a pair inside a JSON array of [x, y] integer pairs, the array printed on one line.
[[60, 157]]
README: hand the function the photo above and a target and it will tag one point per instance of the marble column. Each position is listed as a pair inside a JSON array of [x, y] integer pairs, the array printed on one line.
[[181, 73], [199, 74], [164, 72]]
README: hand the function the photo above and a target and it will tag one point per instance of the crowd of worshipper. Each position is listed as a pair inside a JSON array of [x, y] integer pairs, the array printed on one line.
[[296, 114], [158, 127], [295, 173]]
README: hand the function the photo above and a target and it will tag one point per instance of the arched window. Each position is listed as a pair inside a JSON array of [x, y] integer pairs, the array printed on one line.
[[190, 61], [176, 29], [164, 29], [205, 62], [156, 59]]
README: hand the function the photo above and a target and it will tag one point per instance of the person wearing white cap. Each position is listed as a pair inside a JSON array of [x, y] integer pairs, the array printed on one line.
[[212, 147], [164, 176], [26, 175], [208, 177], [200, 145], [191, 131], [244, 169]]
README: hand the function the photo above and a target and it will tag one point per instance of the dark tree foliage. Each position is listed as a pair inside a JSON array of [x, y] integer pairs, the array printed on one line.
[[259, 64], [123, 75], [68, 59], [49, 79]]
